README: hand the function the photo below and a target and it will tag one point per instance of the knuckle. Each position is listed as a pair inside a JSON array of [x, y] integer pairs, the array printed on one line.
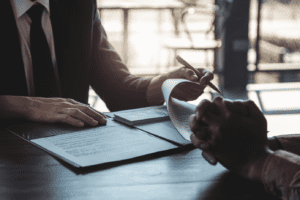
[[182, 69], [64, 99], [202, 105], [250, 103], [217, 99], [85, 108], [65, 104], [228, 103], [204, 101], [75, 111], [64, 118], [189, 72], [73, 101], [68, 100]]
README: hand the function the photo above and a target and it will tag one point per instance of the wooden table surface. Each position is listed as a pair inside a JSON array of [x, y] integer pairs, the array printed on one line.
[[28, 172]]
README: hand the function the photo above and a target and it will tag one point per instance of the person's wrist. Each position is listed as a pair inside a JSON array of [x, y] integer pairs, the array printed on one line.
[[31, 105], [13, 107], [274, 144], [154, 91], [252, 169]]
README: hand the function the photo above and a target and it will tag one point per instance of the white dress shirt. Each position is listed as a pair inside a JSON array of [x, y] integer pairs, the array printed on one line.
[[20, 7]]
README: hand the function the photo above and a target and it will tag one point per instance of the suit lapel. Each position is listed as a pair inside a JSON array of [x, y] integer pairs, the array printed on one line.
[[12, 77]]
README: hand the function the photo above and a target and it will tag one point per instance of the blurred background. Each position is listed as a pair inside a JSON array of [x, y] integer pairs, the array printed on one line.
[[258, 45]]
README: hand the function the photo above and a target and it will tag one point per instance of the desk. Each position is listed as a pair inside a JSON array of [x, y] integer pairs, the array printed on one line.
[[128, 5], [29, 173]]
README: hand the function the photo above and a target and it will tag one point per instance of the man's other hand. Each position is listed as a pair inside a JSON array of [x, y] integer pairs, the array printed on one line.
[[50, 110], [60, 110], [186, 93]]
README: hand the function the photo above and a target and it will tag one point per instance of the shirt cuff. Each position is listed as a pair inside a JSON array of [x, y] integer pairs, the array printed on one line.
[[279, 170]]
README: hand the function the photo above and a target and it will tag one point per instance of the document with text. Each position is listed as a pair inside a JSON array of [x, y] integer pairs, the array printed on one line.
[[93, 146]]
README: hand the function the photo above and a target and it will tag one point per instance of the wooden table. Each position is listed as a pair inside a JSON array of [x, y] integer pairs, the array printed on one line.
[[128, 5], [29, 173]]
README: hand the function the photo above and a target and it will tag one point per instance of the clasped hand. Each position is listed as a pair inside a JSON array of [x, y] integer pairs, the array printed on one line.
[[231, 132]]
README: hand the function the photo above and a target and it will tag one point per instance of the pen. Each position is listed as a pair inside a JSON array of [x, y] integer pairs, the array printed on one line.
[[180, 60]]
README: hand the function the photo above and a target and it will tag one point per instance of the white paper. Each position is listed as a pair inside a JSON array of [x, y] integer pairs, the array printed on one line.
[[179, 111], [102, 145]]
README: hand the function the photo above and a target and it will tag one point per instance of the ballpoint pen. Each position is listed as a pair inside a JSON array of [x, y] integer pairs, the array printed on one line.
[[186, 64]]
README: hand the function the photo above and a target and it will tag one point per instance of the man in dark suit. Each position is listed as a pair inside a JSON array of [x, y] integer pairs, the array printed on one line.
[[79, 55]]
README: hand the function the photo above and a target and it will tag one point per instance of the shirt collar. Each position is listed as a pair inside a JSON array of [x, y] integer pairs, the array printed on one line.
[[22, 6]]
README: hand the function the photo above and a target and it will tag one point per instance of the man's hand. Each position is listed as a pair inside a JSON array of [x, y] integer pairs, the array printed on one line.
[[186, 93], [231, 132], [154, 92], [50, 110]]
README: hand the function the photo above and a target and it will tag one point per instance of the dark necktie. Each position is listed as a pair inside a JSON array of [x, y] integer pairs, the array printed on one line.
[[43, 71]]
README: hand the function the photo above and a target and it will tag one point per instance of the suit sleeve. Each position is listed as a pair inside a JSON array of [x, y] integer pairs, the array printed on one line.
[[110, 78], [281, 175], [290, 143]]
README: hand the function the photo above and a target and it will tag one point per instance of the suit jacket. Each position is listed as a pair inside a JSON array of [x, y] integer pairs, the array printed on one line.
[[84, 57]]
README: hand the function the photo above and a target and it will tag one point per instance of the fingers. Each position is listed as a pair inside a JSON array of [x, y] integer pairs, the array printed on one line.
[[187, 91], [204, 147], [100, 117], [198, 127], [204, 107], [241, 107], [77, 109], [201, 108], [199, 143], [86, 117], [209, 158], [193, 123], [237, 107], [186, 95], [204, 79], [67, 111], [72, 101], [207, 76], [190, 74], [181, 95], [66, 119], [207, 113]]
